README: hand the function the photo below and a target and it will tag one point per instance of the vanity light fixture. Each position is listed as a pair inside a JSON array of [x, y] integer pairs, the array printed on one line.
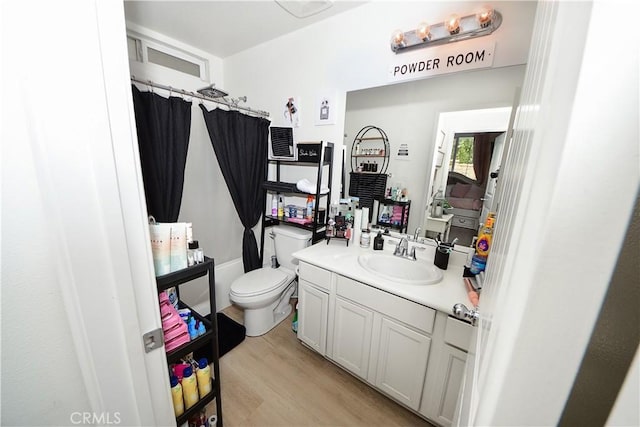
[[455, 28]]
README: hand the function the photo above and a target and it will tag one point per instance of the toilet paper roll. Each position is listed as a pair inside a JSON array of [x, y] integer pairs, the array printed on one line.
[[213, 421]]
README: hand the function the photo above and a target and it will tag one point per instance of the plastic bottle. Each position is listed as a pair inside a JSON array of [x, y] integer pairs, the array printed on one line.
[[484, 238], [201, 329], [274, 206], [310, 207], [193, 331], [203, 375], [378, 242], [176, 395], [189, 388], [294, 322], [280, 208]]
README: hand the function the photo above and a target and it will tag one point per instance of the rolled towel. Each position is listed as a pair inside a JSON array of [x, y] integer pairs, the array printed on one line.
[[308, 187]]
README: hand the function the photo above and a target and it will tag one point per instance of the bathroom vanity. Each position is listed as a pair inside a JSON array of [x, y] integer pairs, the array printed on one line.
[[385, 327]]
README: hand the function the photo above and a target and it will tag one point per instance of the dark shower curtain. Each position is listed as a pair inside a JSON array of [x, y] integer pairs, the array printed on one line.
[[163, 127], [240, 144]]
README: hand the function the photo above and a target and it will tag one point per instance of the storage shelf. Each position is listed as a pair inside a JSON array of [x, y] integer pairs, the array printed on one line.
[[322, 200], [208, 339], [286, 187], [182, 276], [370, 155], [198, 406], [404, 217], [175, 355], [367, 173], [395, 202]]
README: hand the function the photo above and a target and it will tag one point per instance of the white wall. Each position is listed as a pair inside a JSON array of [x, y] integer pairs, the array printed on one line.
[[409, 113], [350, 52]]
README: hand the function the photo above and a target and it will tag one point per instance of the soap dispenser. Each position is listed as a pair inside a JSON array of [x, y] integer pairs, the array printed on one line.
[[378, 242]]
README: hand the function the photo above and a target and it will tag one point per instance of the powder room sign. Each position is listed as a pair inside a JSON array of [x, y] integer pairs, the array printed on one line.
[[441, 60]]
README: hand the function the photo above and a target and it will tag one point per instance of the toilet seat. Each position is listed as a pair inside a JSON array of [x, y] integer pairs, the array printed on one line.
[[260, 281]]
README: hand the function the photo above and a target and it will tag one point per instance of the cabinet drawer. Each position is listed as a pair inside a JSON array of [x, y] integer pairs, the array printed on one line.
[[465, 222], [413, 314], [316, 275], [458, 333]]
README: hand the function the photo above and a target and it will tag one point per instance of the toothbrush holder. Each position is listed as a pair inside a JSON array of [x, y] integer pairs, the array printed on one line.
[[441, 259]]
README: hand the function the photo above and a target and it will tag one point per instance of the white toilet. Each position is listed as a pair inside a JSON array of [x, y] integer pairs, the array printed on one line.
[[264, 293]]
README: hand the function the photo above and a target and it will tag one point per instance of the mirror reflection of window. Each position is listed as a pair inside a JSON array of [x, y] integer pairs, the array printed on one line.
[[462, 156]]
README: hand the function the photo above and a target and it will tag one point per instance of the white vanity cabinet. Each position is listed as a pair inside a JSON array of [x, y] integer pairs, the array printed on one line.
[[382, 338], [408, 351], [445, 374], [401, 362], [313, 307], [352, 328], [314, 285]]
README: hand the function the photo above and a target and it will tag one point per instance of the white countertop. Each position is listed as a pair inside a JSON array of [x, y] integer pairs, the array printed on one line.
[[337, 257]]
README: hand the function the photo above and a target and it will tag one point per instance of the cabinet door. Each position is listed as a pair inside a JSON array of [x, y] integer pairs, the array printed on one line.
[[452, 370], [352, 336], [313, 307], [402, 362]]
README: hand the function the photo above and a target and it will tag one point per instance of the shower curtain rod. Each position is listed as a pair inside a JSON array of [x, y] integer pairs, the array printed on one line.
[[197, 95]]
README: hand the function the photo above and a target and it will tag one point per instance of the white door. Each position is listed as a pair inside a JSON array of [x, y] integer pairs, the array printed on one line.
[[352, 336], [451, 379], [535, 317], [402, 362], [313, 308], [74, 160], [496, 159]]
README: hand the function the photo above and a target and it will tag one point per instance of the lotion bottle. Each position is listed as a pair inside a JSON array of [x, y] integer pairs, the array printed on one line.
[[189, 388], [274, 206], [176, 395], [203, 375]]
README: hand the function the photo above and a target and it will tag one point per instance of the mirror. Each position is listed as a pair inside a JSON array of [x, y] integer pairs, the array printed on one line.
[[421, 119]]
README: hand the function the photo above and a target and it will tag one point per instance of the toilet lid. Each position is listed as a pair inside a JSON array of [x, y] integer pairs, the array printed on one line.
[[259, 281]]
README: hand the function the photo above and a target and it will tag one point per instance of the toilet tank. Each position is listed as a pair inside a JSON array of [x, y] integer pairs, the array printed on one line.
[[288, 240]]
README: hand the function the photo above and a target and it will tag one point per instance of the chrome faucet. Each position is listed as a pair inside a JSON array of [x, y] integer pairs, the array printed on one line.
[[402, 250], [416, 234]]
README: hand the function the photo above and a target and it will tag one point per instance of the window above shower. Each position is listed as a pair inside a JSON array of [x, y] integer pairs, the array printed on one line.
[[145, 50]]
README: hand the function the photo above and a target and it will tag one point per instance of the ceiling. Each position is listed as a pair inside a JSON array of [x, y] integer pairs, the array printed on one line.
[[223, 28]]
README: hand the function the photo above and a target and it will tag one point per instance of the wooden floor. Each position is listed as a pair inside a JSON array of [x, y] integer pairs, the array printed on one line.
[[273, 380]]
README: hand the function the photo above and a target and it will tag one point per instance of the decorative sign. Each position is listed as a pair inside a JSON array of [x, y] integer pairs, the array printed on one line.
[[325, 110], [443, 59], [403, 152]]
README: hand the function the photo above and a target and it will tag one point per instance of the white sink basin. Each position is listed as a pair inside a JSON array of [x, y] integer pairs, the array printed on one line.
[[401, 270]]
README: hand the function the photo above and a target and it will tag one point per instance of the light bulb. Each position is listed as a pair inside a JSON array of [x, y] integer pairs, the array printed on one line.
[[423, 31], [397, 39], [453, 24], [485, 16]]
